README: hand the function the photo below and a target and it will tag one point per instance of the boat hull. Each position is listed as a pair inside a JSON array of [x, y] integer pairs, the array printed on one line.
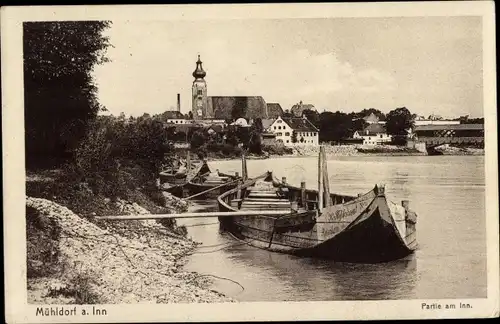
[[364, 229]]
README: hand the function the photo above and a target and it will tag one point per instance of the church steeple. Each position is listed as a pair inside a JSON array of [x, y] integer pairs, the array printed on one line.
[[199, 73], [199, 91]]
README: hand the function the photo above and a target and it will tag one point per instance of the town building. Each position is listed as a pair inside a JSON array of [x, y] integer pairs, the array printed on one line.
[[294, 131], [205, 107], [299, 108], [373, 119], [373, 134], [434, 120]]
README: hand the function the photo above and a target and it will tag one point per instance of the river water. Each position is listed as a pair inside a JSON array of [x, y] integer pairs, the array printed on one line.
[[446, 192]]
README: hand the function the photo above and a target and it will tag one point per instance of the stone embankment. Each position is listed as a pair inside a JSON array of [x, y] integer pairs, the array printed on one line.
[[112, 262], [337, 150], [446, 149]]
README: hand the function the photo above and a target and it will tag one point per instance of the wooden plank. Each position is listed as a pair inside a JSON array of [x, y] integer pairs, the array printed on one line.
[[191, 215], [246, 202], [267, 199]]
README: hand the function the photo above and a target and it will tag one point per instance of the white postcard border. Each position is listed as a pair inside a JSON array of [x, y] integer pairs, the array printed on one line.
[[17, 309]]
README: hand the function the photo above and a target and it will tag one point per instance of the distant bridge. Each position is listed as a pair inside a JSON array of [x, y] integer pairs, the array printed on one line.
[[435, 135]]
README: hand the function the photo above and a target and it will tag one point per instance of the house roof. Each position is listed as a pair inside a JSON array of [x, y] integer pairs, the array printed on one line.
[[274, 110], [449, 127], [373, 129], [240, 122], [300, 124], [223, 106], [297, 109], [267, 122], [371, 118]]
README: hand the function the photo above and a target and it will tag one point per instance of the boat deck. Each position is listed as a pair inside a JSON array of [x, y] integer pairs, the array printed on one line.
[[263, 196]]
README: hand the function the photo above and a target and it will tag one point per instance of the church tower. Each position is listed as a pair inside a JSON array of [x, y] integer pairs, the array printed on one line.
[[200, 101]]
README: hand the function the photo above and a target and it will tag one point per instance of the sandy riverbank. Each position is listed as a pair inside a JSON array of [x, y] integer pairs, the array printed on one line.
[[73, 260]]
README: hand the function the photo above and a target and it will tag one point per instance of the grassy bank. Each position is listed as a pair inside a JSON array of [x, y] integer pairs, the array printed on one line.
[[74, 258]]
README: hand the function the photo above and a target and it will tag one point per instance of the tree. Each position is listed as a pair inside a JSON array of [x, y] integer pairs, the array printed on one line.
[[334, 126], [367, 112], [294, 137], [255, 142], [258, 125], [190, 115], [399, 121], [357, 123], [198, 139], [287, 114], [472, 121], [312, 116], [60, 97]]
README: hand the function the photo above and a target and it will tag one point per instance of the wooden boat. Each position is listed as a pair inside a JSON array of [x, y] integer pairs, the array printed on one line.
[[210, 185], [366, 228], [174, 178]]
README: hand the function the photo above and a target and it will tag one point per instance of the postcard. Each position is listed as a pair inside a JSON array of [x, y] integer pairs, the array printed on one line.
[[250, 162]]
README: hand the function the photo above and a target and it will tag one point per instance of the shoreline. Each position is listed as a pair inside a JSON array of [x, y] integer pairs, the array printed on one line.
[[113, 262], [358, 154]]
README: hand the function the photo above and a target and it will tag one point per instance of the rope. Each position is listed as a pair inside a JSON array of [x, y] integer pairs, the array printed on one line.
[[121, 246]]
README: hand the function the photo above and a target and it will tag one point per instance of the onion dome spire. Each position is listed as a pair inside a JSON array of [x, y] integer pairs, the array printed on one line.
[[199, 73]]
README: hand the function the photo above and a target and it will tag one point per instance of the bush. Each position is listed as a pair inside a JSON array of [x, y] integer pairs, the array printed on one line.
[[43, 255], [399, 140], [80, 288], [277, 149]]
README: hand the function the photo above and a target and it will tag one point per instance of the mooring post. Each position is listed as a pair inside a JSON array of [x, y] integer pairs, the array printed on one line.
[[188, 162], [320, 181], [303, 194], [238, 194], [244, 170]]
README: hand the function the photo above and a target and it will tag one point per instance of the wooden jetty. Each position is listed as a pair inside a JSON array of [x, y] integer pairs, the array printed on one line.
[[366, 228]]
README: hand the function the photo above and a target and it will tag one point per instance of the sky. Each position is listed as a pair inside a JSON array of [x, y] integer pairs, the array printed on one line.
[[431, 65]]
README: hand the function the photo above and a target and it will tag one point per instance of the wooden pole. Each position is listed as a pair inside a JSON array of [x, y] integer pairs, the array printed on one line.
[[303, 194], [326, 180], [188, 162], [196, 215], [320, 180], [208, 190], [244, 167]]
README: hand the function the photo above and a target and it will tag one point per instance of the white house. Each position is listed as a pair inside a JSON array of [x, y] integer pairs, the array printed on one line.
[[178, 121], [373, 134], [285, 127]]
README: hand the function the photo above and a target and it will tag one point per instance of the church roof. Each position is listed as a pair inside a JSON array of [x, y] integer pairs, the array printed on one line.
[[222, 107], [300, 124], [199, 73], [274, 110]]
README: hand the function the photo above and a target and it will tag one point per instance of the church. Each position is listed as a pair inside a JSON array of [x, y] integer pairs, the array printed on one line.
[[205, 107]]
